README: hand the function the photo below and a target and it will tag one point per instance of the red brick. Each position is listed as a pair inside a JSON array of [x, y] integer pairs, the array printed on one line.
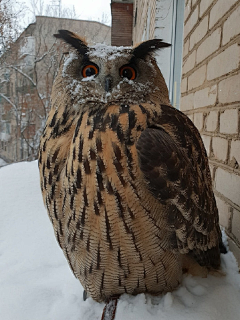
[[121, 31]]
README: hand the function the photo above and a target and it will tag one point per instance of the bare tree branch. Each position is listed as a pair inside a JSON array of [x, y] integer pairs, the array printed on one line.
[[24, 74], [9, 101]]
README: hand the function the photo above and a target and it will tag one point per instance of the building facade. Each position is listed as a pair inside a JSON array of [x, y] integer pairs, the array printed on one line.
[[26, 76], [211, 98], [122, 22]]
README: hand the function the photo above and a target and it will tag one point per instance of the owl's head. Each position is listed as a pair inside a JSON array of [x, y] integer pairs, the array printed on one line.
[[106, 75]]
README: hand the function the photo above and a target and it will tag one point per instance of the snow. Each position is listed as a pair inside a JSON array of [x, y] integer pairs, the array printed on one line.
[[37, 284], [109, 52], [99, 50], [72, 56], [4, 136]]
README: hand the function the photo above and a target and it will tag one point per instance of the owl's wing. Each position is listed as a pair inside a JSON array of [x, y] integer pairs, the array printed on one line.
[[175, 165]]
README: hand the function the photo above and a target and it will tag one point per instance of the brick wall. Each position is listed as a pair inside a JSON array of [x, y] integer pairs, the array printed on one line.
[[122, 23], [211, 98]]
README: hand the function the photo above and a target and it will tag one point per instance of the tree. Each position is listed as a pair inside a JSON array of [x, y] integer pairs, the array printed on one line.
[[27, 72], [55, 9], [9, 23]]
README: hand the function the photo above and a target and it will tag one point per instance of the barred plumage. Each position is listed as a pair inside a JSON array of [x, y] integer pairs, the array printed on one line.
[[125, 176]]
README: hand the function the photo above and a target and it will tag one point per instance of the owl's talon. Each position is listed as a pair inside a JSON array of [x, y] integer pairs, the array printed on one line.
[[110, 308], [85, 295]]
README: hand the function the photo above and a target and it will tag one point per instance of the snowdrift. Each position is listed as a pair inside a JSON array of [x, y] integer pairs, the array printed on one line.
[[37, 284]]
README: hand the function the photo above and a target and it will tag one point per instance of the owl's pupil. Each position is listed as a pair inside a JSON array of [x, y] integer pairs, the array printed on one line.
[[127, 73], [90, 72]]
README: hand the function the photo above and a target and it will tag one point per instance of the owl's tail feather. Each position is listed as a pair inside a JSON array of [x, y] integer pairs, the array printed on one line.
[[110, 308]]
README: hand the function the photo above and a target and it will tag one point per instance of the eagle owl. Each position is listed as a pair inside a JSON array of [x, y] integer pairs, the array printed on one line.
[[124, 175]]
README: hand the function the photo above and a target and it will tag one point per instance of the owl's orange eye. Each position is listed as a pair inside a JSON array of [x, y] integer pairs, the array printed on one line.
[[128, 72], [89, 70]]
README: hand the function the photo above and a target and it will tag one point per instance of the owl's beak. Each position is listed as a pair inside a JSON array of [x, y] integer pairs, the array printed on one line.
[[108, 83]]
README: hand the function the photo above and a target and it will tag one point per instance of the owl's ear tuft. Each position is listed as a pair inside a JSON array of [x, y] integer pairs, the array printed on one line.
[[74, 40], [143, 49]]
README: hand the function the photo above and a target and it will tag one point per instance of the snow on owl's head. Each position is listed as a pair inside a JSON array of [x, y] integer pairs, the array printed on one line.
[[109, 75]]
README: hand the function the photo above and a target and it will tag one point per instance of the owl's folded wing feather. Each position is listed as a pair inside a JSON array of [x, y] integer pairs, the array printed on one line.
[[175, 165]]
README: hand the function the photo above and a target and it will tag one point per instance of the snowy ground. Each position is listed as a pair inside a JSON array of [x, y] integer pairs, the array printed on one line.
[[37, 284]]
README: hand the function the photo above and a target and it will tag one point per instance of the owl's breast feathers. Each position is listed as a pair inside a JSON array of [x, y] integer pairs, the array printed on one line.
[[128, 190]]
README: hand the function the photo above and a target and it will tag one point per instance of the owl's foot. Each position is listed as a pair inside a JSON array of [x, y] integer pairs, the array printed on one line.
[[217, 273], [192, 267], [110, 308]]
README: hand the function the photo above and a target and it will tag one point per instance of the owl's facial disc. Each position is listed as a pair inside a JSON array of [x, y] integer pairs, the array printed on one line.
[[110, 75]]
